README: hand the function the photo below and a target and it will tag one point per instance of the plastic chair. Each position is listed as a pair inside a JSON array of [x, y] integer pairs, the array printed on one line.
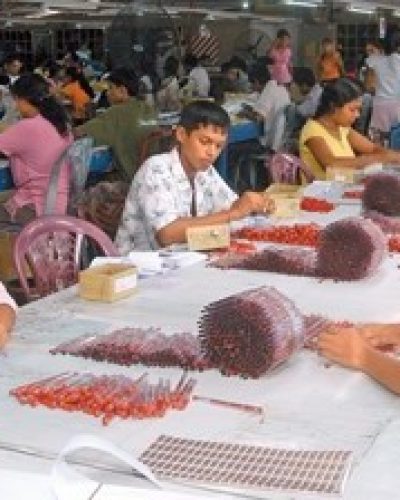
[[50, 247], [394, 137], [156, 141], [288, 169]]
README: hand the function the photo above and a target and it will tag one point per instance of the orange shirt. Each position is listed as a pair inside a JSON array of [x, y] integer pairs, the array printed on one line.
[[330, 66], [78, 97]]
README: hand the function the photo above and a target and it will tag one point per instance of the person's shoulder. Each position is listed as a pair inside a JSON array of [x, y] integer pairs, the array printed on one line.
[[310, 128], [159, 165]]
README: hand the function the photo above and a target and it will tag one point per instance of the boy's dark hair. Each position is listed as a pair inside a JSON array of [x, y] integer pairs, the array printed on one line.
[[259, 73], [171, 66], [282, 33], [125, 77], [14, 56], [304, 76], [199, 113]]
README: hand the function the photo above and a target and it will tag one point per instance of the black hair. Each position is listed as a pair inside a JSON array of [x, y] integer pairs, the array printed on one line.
[[394, 43], [376, 43], [171, 66], [304, 76], [35, 90], [281, 33], [125, 77], [77, 76], [336, 94], [14, 56], [191, 61], [259, 73], [237, 62], [204, 113]]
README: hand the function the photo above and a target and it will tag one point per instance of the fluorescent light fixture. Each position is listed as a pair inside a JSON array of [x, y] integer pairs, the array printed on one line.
[[245, 4], [396, 13], [361, 10], [303, 3], [44, 12]]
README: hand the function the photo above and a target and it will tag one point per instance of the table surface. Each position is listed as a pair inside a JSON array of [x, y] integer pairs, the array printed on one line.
[[308, 403]]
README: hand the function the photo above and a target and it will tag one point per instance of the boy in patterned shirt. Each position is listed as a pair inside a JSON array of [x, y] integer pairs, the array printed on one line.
[[180, 189]]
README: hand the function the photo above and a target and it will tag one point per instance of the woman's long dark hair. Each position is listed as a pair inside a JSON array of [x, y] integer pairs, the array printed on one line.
[[35, 90], [336, 94], [76, 76]]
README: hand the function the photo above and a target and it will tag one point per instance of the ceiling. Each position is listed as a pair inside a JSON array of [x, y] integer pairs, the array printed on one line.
[[53, 10]]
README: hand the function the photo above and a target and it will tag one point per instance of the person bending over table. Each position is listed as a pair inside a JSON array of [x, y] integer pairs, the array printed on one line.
[[360, 349], [7, 315], [124, 125], [180, 189], [328, 140]]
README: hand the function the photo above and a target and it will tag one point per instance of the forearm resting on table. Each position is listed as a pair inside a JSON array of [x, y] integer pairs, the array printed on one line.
[[175, 232], [7, 320], [383, 368]]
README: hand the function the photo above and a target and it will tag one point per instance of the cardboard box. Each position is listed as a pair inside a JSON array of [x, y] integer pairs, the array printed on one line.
[[208, 237], [108, 282], [340, 175], [287, 198]]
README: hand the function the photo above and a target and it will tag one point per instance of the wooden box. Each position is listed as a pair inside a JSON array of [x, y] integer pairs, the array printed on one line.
[[108, 282]]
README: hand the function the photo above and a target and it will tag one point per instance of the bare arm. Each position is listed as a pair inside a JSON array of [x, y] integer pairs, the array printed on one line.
[[249, 202], [367, 152], [7, 319], [347, 347]]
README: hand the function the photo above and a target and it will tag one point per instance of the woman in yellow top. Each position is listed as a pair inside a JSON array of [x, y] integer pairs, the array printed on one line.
[[73, 91], [329, 141]]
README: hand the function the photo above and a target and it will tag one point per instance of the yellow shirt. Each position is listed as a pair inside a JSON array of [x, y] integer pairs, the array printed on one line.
[[339, 148]]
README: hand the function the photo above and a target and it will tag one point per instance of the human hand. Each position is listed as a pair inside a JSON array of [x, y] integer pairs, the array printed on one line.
[[379, 335], [391, 156], [344, 345], [251, 202]]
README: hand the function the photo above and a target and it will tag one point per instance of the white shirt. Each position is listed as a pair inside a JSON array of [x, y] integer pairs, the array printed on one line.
[[161, 193], [310, 104], [270, 103], [387, 72], [6, 299], [200, 81]]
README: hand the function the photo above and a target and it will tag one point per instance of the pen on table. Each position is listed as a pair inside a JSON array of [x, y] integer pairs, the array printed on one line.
[[257, 410]]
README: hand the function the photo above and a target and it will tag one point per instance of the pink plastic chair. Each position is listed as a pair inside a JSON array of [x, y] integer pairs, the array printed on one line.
[[51, 247], [287, 168]]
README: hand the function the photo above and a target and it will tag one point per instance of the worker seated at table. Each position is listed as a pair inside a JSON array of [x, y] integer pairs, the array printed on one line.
[[33, 145], [75, 91], [180, 189], [7, 315], [272, 99], [328, 140], [124, 125], [362, 348]]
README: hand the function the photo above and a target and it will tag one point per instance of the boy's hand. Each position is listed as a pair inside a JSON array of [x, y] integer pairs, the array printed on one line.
[[251, 202]]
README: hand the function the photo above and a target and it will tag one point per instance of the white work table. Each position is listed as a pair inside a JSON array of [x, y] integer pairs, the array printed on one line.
[[308, 404]]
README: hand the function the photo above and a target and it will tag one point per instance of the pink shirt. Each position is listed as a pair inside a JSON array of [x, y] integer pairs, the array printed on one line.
[[33, 145], [280, 68]]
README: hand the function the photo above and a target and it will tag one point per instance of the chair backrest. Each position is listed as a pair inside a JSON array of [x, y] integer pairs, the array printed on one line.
[[156, 141], [77, 158], [394, 137], [50, 248], [286, 168]]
